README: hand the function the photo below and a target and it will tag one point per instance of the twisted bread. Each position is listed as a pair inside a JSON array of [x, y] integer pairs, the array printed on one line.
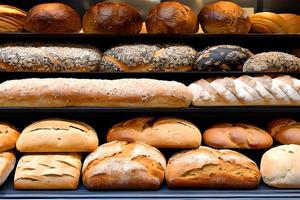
[[246, 90]]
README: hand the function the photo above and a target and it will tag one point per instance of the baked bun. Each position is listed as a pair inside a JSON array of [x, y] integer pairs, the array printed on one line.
[[280, 166], [268, 22], [148, 58], [11, 19], [57, 135], [222, 58], [272, 62], [8, 136], [52, 18], [160, 133], [7, 164], [171, 17], [224, 17], [292, 21], [240, 136], [112, 18], [122, 165], [205, 167], [285, 131]]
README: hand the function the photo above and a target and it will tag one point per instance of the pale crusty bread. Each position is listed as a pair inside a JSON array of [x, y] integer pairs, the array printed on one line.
[[58, 135], [48, 171], [63, 92], [122, 165], [280, 166], [8, 136], [240, 136], [160, 133], [7, 164], [205, 167]]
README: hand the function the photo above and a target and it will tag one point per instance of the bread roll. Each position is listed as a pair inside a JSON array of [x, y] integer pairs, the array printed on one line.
[[48, 171], [222, 58], [224, 17], [52, 18], [122, 165], [210, 168], [58, 135], [171, 17], [7, 164], [285, 131], [65, 92], [35, 57], [112, 18], [240, 136], [268, 22], [152, 58], [11, 19], [160, 133], [272, 62], [280, 166], [292, 21], [8, 136]]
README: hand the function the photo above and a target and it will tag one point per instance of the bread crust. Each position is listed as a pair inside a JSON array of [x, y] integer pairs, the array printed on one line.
[[7, 164], [11, 19], [8, 136], [293, 22], [268, 22]]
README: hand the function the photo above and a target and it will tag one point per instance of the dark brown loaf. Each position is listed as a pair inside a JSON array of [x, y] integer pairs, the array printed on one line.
[[112, 18], [52, 18], [171, 17], [11, 19], [210, 168]]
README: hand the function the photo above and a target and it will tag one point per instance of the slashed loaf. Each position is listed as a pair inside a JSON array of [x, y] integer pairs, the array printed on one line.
[[160, 133], [8, 136], [122, 165], [7, 164], [58, 135], [48, 171], [64, 92], [280, 166], [210, 168]]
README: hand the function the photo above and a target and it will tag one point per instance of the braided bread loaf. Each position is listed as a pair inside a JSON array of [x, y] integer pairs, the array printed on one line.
[[246, 90]]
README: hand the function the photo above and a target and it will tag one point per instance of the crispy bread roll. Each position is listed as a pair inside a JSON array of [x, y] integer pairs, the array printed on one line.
[[11, 19], [268, 22], [7, 164], [8, 136]]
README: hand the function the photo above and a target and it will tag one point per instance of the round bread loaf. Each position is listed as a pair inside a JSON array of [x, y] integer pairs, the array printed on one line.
[[160, 133], [272, 62], [224, 17], [280, 166], [240, 136], [122, 165], [11, 19], [52, 18], [292, 21], [222, 58], [171, 17], [268, 22], [205, 167], [8, 136], [112, 18]]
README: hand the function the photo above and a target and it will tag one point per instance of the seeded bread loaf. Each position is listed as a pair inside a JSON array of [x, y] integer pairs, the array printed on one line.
[[11, 19], [58, 135], [122, 165], [64, 92], [8, 136], [7, 164]]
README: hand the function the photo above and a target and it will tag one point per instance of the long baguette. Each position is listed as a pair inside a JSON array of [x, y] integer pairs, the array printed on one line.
[[64, 92]]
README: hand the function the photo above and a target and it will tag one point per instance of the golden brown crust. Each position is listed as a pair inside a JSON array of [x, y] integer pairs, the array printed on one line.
[[292, 21], [7, 164], [11, 19], [268, 22], [8, 136]]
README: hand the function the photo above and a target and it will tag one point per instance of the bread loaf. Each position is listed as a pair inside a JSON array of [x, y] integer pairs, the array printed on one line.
[[246, 90], [58, 135], [11, 19], [292, 21], [268, 22], [35, 57], [240, 136], [7, 164], [285, 131], [280, 166], [210, 168], [63, 92], [8, 136], [48, 171], [122, 165], [160, 133]]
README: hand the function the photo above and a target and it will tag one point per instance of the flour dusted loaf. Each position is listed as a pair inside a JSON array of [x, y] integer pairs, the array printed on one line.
[[39, 57], [8, 136], [122, 165], [48, 171], [160, 133], [11, 19], [57, 135], [246, 90], [240, 136], [63, 92], [285, 131], [7, 164], [205, 167], [280, 166]]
